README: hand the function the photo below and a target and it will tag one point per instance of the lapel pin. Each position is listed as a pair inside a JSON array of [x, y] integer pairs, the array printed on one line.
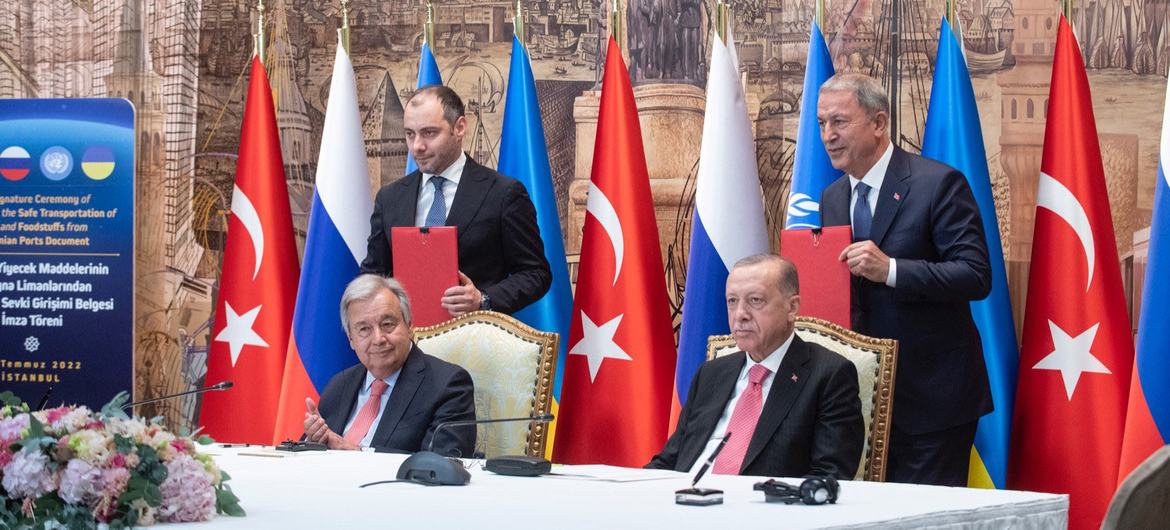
[[794, 378], [897, 196]]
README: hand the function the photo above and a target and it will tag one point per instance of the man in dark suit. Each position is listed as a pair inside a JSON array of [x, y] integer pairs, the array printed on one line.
[[791, 407], [501, 256], [398, 395], [919, 258]]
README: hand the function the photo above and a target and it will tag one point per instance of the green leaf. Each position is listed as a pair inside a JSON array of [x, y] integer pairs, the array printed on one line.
[[204, 439], [227, 503], [224, 476], [113, 409], [9, 399], [153, 495]]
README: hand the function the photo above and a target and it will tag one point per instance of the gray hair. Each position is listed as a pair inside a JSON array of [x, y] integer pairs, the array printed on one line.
[[365, 287], [869, 92], [789, 280]]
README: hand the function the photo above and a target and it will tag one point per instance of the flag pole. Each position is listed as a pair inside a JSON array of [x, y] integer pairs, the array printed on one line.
[[1066, 8], [258, 37], [518, 22], [615, 23], [819, 14], [950, 13], [429, 27], [343, 31], [721, 13]]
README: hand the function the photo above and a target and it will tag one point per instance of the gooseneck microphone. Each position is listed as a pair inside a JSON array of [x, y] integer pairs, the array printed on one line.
[[542, 418], [222, 385]]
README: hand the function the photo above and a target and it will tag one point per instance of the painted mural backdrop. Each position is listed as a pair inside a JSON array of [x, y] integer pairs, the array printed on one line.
[[183, 65]]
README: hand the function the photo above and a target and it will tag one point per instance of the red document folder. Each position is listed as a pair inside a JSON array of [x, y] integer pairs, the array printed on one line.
[[426, 263], [824, 280]]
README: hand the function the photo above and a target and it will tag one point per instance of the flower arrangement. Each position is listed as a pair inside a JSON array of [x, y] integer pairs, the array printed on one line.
[[71, 467]]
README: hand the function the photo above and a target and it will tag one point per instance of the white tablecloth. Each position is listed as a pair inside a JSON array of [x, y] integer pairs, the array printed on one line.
[[320, 490]]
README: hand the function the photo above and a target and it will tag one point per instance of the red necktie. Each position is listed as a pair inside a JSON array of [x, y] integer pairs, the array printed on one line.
[[365, 418], [743, 422]]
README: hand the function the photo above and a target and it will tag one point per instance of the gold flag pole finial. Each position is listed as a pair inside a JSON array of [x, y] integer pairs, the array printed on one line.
[[819, 14], [429, 26], [615, 23], [518, 22], [343, 31], [1066, 6], [258, 37]]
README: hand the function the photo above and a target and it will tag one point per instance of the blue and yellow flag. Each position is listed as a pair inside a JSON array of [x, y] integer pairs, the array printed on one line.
[[428, 74], [953, 136], [524, 156]]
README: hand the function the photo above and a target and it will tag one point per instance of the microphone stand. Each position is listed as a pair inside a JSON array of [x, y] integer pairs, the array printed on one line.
[[223, 385]]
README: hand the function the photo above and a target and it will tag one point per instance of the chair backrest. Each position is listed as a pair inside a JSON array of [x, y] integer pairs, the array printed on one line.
[[875, 360], [1143, 500], [512, 366]]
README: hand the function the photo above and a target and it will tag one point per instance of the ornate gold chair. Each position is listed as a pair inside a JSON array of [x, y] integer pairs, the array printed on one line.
[[875, 360], [512, 366]]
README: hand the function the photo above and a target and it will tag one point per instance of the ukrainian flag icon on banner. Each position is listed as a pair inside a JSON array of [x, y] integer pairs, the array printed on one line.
[[98, 162]]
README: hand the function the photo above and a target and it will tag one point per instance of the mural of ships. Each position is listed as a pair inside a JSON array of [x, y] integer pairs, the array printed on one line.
[[987, 36]]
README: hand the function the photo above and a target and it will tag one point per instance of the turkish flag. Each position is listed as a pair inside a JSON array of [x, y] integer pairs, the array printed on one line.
[[619, 370], [257, 286], [1077, 351]]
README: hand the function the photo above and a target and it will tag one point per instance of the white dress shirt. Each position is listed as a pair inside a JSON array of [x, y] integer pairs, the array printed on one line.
[[772, 363], [364, 396], [426, 190], [874, 178]]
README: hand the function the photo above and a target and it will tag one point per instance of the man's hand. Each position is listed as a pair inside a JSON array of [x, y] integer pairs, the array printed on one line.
[[463, 298], [865, 259], [317, 431]]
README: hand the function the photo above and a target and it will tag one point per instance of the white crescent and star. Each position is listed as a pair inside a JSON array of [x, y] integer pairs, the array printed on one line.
[[238, 331], [1071, 356], [598, 205], [243, 210], [1055, 197], [597, 343]]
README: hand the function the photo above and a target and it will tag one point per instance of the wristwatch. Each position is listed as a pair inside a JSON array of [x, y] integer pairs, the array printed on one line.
[[485, 303]]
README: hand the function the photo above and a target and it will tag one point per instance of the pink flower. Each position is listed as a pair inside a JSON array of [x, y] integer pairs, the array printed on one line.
[[112, 484], [12, 429], [27, 475], [79, 482], [187, 493]]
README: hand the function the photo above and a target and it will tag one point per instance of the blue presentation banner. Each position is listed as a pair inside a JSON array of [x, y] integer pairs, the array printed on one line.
[[66, 249]]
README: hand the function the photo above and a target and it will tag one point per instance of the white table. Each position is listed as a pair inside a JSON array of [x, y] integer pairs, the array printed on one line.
[[320, 490]]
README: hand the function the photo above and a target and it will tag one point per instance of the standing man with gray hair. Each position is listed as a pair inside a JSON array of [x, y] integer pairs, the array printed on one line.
[[396, 397], [919, 257]]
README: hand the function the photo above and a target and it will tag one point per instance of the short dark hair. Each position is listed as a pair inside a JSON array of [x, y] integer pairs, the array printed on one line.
[[789, 279], [452, 104]]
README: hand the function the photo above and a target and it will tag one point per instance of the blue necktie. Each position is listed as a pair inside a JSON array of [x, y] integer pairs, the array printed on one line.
[[862, 217], [438, 212]]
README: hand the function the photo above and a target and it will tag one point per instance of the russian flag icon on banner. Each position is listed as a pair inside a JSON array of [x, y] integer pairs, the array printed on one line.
[[15, 163]]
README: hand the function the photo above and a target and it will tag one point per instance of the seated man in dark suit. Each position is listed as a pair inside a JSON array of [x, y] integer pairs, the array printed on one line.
[[792, 407], [396, 397]]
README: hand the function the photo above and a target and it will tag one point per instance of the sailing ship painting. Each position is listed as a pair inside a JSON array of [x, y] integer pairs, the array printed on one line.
[[987, 34]]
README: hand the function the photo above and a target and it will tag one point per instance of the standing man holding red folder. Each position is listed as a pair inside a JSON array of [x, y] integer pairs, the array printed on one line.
[[919, 257], [501, 256]]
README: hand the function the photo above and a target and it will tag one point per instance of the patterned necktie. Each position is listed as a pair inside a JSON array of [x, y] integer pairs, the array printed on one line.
[[365, 418], [862, 217], [743, 422], [437, 215]]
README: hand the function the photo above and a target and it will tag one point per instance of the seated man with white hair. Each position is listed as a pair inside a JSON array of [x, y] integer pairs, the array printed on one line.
[[396, 397]]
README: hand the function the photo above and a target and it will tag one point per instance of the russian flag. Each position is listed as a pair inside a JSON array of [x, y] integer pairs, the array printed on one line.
[[953, 136], [812, 170], [1147, 422], [335, 246], [428, 74], [728, 222]]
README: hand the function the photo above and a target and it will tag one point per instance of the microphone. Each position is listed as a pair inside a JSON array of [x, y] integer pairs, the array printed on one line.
[[432, 469], [45, 398], [222, 385]]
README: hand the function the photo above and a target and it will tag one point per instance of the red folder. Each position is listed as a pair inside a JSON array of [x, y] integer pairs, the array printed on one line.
[[426, 263], [824, 279]]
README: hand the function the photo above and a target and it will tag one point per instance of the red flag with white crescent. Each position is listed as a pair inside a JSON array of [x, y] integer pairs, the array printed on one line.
[[619, 370], [258, 283], [1077, 351]]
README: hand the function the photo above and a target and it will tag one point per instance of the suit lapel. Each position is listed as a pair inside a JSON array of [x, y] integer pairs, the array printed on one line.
[[402, 211], [790, 378], [411, 377], [473, 189], [836, 207], [890, 197]]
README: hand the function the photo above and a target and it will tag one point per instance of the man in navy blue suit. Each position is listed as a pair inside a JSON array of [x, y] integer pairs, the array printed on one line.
[[919, 257]]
